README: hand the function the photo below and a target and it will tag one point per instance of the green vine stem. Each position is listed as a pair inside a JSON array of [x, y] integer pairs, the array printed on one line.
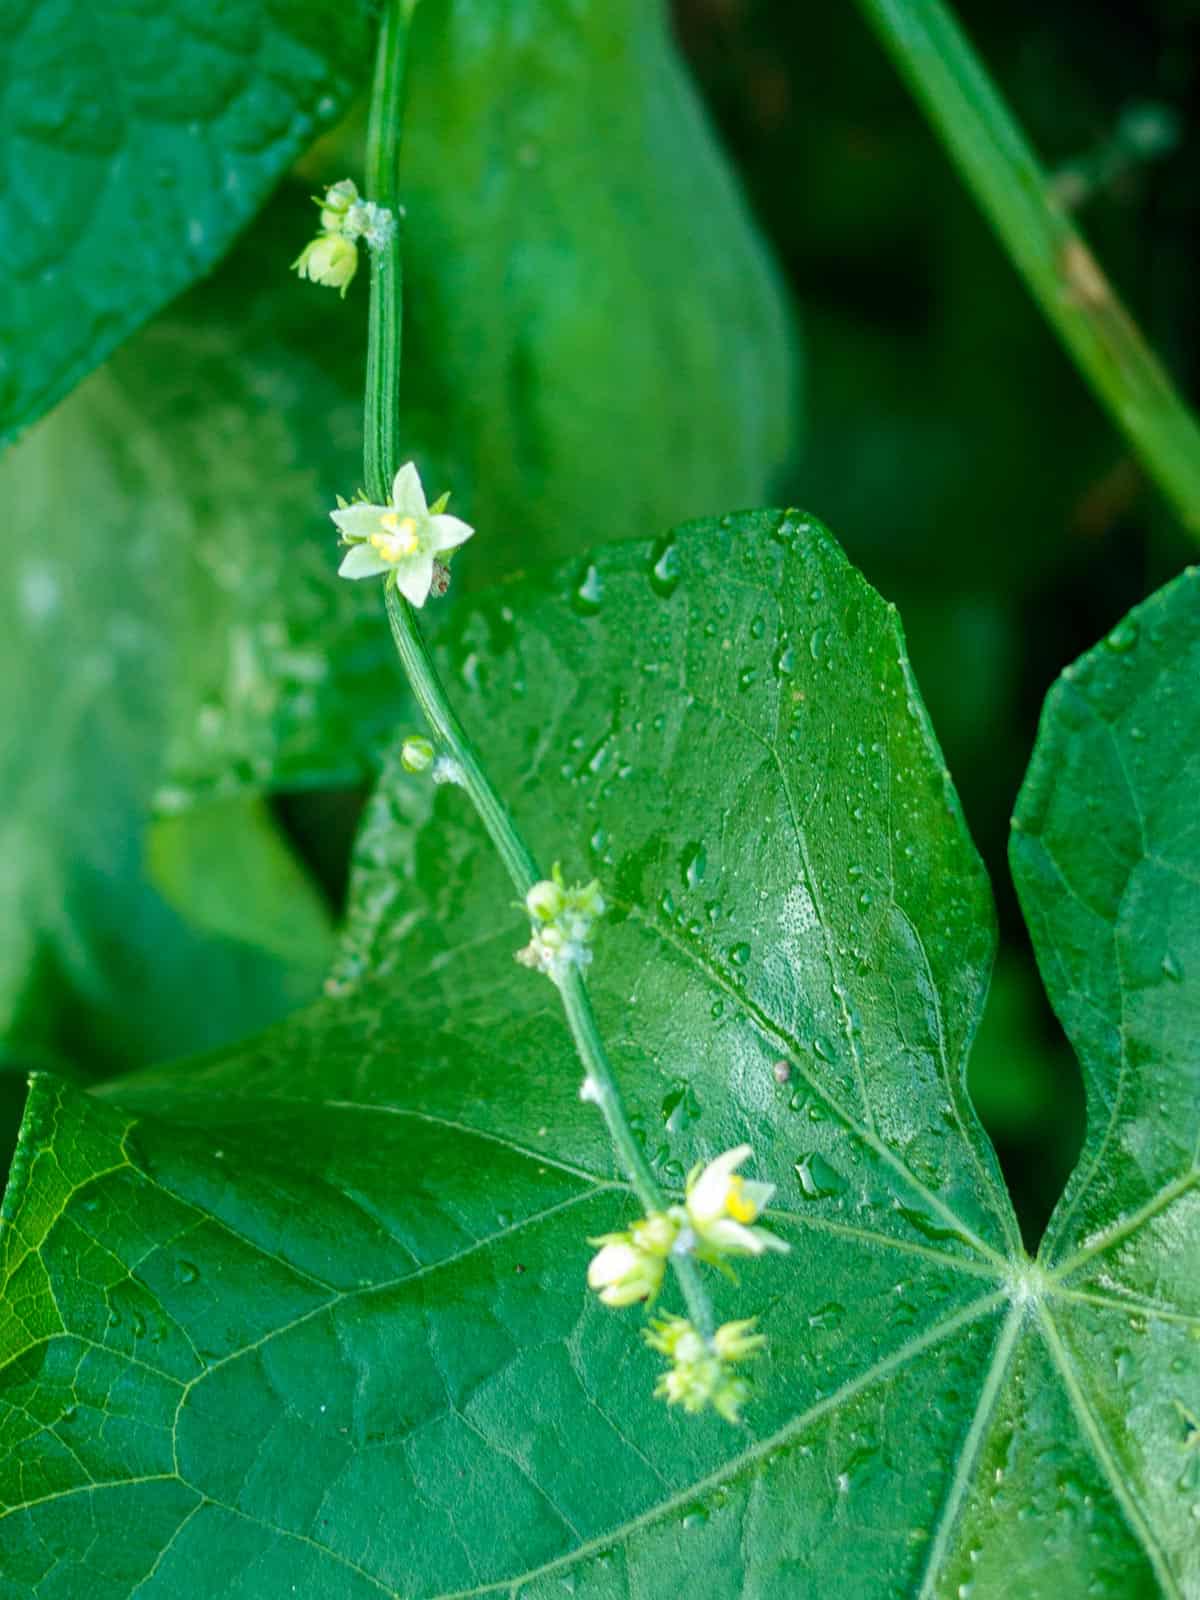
[[994, 157], [380, 460]]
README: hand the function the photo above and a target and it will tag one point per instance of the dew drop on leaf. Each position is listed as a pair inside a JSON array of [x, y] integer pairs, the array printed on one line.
[[588, 595], [664, 568], [818, 1179], [693, 864], [1123, 637]]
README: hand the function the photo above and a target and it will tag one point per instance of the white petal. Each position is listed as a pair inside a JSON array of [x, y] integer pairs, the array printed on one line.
[[361, 562], [771, 1241], [735, 1236], [610, 1265], [758, 1194], [414, 579], [407, 493], [358, 522], [447, 532], [707, 1199]]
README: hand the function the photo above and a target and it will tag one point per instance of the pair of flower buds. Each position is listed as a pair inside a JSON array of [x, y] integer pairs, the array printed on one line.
[[332, 257]]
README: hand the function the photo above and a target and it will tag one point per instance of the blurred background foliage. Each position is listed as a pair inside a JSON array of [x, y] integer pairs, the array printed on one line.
[[598, 345]]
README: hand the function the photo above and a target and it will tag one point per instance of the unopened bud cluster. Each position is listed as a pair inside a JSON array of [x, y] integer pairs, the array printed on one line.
[[702, 1373], [562, 924], [332, 257]]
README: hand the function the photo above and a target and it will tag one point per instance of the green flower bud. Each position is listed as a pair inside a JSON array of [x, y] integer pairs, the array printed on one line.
[[329, 260], [621, 1273], [339, 197], [416, 753], [701, 1372], [545, 900]]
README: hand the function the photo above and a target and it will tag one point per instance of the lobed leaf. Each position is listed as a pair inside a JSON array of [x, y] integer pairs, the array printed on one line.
[[312, 1312]]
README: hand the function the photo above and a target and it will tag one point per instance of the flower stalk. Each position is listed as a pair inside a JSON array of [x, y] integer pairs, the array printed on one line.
[[380, 464]]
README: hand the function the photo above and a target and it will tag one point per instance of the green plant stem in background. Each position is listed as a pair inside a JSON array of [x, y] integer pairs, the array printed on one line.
[[381, 420], [1002, 171], [380, 460]]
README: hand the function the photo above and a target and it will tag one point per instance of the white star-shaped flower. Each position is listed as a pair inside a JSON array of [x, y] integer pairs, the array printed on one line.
[[403, 538]]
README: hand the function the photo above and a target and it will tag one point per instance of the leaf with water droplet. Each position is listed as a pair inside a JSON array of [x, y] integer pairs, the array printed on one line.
[[388, 1197]]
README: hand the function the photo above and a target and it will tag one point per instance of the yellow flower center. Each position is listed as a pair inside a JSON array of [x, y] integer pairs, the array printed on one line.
[[398, 537], [738, 1203]]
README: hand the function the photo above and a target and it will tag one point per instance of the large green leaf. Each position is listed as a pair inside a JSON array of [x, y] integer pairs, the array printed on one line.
[[311, 1314], [137, 141]]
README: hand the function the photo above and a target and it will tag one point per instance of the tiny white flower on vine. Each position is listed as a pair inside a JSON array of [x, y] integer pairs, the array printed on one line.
[[564, 921], [720, 1206], [701, 1372], [403, 538], [330, 260], [621, 1274], [629, 1266]]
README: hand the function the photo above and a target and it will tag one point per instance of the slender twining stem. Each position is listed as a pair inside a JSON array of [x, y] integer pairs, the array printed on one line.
[[991, 152], [380, 460]]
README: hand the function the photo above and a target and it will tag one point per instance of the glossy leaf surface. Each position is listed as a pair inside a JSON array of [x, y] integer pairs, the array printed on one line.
[[137, 141], [312, 1312]]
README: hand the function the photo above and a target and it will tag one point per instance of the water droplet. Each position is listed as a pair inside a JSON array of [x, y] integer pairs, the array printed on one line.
[[1123, 637], [785, 660], [827, 1316], [824, 1049], [819, 1180], [665, 568], [925, 1224], [680, 1107], [589, 592], [782, 1071], [693, 864], [1171, 968], [694, 1517], [740, 954], [818, 641], [757, 628]]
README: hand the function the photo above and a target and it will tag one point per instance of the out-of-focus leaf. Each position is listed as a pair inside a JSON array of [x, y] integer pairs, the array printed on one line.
[[118, 606], [227, 871], [137, 141], [597, 345]]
